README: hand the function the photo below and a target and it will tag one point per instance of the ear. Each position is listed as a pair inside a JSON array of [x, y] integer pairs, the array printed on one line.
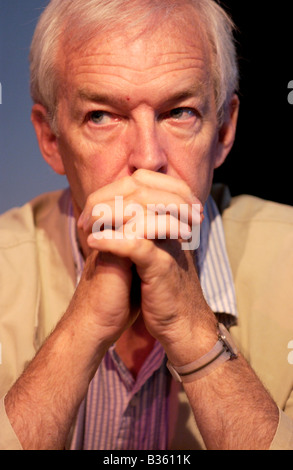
[[47, 138], [227, 131]]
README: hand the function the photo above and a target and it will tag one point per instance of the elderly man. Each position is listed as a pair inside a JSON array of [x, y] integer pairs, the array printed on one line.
[[136, 100]]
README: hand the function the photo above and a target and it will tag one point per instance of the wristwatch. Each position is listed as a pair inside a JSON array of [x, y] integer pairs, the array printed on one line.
[[224, 350]]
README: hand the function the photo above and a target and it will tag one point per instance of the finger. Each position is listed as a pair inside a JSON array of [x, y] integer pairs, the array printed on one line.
[[150, 226], [123, 187], [152, 222], [143, 186], [170, 184], [115, 213], [139, 251]]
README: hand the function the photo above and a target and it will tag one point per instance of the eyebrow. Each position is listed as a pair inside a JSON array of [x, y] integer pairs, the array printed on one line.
[[102, 98], [196, 90]]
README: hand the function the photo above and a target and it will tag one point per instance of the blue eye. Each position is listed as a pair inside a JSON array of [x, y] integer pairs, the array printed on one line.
[[100, 117], [182, 114]]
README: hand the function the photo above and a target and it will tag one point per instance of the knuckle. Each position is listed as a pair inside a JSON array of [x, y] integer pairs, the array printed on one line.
[[91, 201], [129, 184]]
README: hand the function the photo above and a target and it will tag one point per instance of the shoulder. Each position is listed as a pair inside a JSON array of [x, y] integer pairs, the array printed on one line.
[[254, 225], [259, 230], [29, 234], [18, 225], [259, 235], [259, 240], [250, 209], [23, 245]]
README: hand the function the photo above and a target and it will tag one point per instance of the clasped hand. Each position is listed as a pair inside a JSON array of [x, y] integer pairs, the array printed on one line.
[[170, 297]]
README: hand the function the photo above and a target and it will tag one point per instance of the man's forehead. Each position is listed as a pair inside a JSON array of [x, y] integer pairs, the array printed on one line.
[[180, 78], [166, 61], [169, 38], [145, 62]]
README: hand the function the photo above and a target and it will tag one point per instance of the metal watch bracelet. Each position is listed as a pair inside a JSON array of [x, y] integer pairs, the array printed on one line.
[[224, 350]]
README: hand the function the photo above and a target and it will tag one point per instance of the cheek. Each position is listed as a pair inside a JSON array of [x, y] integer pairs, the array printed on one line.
[[195, 166], [89, 166]]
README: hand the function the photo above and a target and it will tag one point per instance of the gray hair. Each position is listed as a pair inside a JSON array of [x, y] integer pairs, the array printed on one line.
[[82, 19]]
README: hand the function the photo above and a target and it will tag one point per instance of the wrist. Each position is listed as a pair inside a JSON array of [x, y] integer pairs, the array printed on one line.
[[193, 342], [224, 350], [79, 335]]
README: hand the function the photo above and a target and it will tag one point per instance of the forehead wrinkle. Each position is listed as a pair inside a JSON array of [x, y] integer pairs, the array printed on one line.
[[120, 64], [104, 54], [182, 24], [86, 93], [98, 66], [138, 77], [195, 90]]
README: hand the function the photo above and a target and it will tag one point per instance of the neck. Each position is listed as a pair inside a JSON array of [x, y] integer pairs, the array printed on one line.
[[135, 345]]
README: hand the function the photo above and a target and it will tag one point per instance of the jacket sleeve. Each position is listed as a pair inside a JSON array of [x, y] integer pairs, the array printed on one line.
[[19, 293], [8, 438], [283, 439]]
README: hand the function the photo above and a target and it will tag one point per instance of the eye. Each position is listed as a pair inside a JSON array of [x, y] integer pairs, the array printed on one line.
[[101, 117], [182, 114]]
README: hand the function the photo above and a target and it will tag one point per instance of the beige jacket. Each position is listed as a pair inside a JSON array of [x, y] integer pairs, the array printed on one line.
[[37, 279]]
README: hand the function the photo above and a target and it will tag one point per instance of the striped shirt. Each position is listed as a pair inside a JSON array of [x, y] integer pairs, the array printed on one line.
[[123, 413]]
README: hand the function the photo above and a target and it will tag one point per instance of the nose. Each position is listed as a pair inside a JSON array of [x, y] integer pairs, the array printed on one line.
[[147, 150]]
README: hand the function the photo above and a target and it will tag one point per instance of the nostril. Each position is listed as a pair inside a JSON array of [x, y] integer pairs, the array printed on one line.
[[160, 169]]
